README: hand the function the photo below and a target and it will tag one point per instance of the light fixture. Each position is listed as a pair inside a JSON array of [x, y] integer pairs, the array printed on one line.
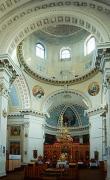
[[63, 135]]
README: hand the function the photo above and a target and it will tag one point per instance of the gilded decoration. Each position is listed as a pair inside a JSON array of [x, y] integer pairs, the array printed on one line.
[[37, 91], [15, 131], [93, 88]]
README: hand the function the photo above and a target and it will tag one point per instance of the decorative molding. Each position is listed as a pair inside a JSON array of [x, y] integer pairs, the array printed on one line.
[[103, 56], [98, 110], [16, 114], [3, 90], [4, 113], [21, 113], [24, 112], [80, 131], [21, 84], [70, 128], [56, 19], [47, 5], [7, 64]]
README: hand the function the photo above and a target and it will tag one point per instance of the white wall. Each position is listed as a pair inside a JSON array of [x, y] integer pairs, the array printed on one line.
[[35, 136], [4, 86], [96, 135]]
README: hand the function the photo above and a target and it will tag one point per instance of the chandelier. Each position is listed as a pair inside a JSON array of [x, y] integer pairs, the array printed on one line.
[[63, 135]]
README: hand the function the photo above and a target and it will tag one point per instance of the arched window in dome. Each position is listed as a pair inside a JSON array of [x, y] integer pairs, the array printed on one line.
[[65, 54], [40, 50], [89, 45]]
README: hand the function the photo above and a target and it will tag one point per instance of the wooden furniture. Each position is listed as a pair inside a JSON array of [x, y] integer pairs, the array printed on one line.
[[13, 162], [75, 151], [54, 172], [34, 170]]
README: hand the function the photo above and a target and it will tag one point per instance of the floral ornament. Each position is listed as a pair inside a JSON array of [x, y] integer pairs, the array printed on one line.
[[93, 89], [4, 113], [38, 91]]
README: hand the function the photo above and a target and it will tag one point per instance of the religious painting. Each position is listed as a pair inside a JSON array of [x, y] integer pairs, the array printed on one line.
[[15, 147], [37, 91], [93, 89], [35, 154], [15, 131], [69, 117]]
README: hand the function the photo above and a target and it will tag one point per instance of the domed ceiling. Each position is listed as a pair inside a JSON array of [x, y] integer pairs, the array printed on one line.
[[62, 30], [52, 69]]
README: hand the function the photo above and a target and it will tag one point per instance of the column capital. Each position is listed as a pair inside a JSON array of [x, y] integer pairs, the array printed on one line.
[[4, 90], [103, 56]]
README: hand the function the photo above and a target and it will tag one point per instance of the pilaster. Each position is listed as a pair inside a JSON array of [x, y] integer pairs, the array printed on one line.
[[105, 67], [7, 75], [33, 135], [107, 79], [96, 132]]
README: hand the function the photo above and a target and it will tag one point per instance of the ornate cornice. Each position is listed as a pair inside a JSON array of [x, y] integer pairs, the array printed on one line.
[[7, 64], [103, 56], [77, 131], [15, 114], [78, 128], [36, 76], [47, 5], [26, 112], [98, 110]]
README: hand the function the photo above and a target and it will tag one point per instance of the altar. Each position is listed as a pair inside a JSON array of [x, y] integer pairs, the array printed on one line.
[[62, 164]]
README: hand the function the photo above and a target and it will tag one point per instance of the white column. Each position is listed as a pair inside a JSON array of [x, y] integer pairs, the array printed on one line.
[[95, 132], [7, 75], [4, 86], [108, 131], [104, 64]]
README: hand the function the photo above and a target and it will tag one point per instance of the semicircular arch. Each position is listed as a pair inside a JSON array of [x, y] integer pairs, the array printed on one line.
[[65, 97]]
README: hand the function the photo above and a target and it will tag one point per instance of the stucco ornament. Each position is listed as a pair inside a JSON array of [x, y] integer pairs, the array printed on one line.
[[93, 88], [38, 91], [4, 113]]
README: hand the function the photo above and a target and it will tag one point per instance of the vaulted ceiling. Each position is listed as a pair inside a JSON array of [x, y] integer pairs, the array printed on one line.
[[20, 18]]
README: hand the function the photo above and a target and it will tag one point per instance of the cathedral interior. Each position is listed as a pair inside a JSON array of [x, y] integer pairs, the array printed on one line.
[[54, 82]]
